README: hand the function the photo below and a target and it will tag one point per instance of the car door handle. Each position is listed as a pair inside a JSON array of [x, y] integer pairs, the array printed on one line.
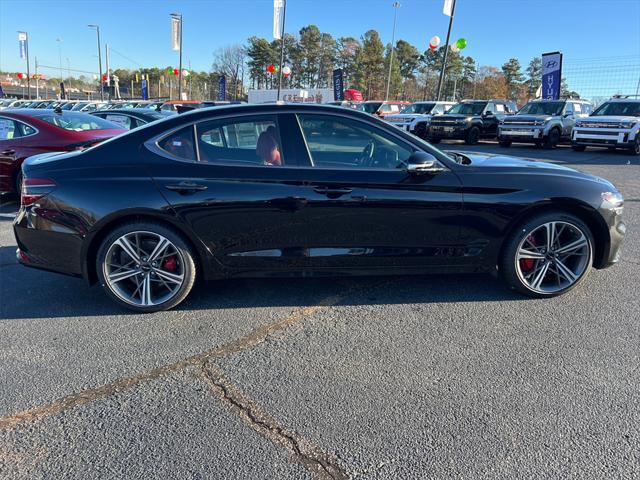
[[332, 192], [8, 152], [186, 187]]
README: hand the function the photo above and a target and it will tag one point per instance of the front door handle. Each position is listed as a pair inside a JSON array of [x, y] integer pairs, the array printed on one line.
[[333, 192], [184, 188]]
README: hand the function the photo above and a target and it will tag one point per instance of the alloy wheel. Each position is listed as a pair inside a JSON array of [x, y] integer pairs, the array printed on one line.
[[144, 268], [552, 257]]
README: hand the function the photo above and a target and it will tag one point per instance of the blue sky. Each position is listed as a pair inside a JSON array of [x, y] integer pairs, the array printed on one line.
[[138, 31]]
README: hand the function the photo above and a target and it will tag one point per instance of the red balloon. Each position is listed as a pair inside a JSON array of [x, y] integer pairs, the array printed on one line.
[[271, 68], [433, 47], [105, 78], [20, 75], [176, 71]]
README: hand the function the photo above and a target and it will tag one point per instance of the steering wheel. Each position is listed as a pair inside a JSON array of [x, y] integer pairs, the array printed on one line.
[[366, 157]]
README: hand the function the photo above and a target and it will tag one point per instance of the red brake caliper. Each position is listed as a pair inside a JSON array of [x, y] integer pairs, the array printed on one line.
[[170, 264], [527, 264]]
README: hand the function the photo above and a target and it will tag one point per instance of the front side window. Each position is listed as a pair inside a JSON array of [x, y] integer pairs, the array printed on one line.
[[469, 108], [419, 108], [542, 108], [250, 141], [568, 109], [337, 142], [631, 109], [500, 107]]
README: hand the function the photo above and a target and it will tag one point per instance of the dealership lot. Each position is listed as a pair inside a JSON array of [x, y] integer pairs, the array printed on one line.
[[387, 377]]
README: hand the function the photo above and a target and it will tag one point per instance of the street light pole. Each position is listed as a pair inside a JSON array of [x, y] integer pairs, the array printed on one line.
[[446, 50], [97, 27], [284, 17], [178, 16], [396, 5]]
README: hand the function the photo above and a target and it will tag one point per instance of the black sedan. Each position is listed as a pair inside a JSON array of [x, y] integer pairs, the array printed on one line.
[[285, 190], [131, 118]]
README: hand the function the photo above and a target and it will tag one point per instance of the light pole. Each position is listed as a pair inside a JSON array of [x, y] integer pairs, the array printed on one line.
[[396, 6], [284, 17], [59, 40], [178, 16], [446, 50], [97, 27]]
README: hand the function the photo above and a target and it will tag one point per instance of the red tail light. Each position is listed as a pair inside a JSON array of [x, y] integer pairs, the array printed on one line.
[[34, 189]]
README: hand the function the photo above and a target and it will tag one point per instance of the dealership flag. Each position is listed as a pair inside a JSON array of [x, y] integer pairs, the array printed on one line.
[[175, 34], [277, 19], [22, 42], [447, 9], [551, 75]]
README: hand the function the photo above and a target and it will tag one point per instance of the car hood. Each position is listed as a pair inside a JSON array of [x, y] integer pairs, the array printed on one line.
[[527, 118], [408, 116], [609, 119], [453, 116]]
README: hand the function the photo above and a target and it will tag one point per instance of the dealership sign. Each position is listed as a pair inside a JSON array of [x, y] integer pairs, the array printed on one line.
[[338, 84], [551, 75]]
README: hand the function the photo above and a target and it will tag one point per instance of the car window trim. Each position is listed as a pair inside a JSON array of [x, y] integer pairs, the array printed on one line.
[[36, 131]]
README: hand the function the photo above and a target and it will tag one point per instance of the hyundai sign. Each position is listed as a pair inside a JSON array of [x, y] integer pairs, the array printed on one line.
[[551, 75]]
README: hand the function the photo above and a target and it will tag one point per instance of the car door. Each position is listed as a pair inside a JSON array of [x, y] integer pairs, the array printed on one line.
[[569, 114], [364, 210], [235, 183], [490, 120]]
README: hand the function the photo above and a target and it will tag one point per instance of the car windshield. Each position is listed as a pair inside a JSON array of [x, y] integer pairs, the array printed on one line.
[[542, 108], [78, 122], [469, 108], [630, 109], [419, 108], [369, 107]]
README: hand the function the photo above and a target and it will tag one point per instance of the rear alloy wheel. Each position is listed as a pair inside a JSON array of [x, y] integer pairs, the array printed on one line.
[[552, 139], [473, 135], [548, 256], [146, 267]]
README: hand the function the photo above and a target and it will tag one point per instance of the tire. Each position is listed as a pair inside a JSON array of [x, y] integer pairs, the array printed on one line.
[[635, 149], [522, 274], [168, 281], [579, 148], [473, 135], [505, 143], [552, 139]]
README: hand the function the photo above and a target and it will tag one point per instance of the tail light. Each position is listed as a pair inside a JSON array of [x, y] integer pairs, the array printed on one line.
[[34, 189]]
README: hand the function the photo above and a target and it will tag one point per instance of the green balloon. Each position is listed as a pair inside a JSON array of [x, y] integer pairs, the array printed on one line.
[[461, 43]]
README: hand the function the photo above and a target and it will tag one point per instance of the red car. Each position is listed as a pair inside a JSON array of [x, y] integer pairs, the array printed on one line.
[[27, 132]]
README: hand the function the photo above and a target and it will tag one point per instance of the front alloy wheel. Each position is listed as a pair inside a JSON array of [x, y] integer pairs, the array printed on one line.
[[146, 267], [549, 255]]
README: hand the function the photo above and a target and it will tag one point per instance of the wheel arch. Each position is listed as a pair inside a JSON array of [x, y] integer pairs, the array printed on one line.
[[583, 211], [106, 226]]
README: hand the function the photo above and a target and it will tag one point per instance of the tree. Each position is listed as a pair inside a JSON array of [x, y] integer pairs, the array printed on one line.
[[408, 59], [311, 49], [346, 52], [261, 54], [512, 76], [534, 76], [490, 83], [370, 74]]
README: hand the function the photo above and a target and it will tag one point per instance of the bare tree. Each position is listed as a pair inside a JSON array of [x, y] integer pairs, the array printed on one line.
[[229, 61]]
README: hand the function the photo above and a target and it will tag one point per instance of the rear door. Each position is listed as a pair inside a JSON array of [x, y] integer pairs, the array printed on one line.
[[235, 182]]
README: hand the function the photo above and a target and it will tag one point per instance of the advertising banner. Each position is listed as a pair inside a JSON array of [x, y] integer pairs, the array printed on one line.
[[551, 75], [22, 42], [447, 8], [63, 94], [144, 86], [175, 34], [338, 84], [222, 87], [277, 19]]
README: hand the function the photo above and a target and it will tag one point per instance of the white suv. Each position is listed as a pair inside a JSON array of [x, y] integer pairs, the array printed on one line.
[[418, 112], [614, 124]]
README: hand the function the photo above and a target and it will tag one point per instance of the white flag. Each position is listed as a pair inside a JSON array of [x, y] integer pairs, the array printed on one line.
[[175, 33], [277, 19], [447, 9]]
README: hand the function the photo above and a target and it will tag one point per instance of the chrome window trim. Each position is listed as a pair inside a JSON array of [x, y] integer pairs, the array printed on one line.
[[36, 131]]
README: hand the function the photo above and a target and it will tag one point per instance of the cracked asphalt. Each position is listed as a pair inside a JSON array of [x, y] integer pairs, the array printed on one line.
[[367, 378]]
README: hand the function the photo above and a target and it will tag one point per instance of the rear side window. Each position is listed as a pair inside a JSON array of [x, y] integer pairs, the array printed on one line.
[[180, 144], [11, 129], [78, 122], [248, 141]]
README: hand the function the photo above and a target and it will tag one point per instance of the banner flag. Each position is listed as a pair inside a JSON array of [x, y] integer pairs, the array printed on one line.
[[338, 85], [277, 19], [222, 87], [144, 89], [175, 34], [447, 8], [22, 42], [551, 75]]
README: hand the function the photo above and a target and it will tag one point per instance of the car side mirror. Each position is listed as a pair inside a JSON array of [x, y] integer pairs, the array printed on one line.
[[423, 162], [488, 114]]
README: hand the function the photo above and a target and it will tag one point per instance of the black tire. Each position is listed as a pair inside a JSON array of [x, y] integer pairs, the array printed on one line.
[[507, 262], [473, 135], [635, 149], [184, 256], [579, 148], [434, 140], [552, 139], [505, 143]]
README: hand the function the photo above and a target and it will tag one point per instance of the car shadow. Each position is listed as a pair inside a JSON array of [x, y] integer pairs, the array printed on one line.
[[28, 293]]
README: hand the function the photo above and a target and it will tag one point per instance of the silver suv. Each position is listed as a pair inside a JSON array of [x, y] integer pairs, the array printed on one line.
[[614, 124], [418, 112], [543, 122]]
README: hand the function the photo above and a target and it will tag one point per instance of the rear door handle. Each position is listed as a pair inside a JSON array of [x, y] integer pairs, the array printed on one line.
[[186, 187], [332, 192]]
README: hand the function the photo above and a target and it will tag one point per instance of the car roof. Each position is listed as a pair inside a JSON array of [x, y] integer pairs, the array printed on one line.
[[626, 100]]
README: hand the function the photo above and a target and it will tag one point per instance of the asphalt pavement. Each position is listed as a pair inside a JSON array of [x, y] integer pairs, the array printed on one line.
[[369, 378]]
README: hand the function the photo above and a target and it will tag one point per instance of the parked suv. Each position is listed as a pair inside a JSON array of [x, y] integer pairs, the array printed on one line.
[[543, 122], [614, 124], [381, 108], [418, 114], [470, 120]]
